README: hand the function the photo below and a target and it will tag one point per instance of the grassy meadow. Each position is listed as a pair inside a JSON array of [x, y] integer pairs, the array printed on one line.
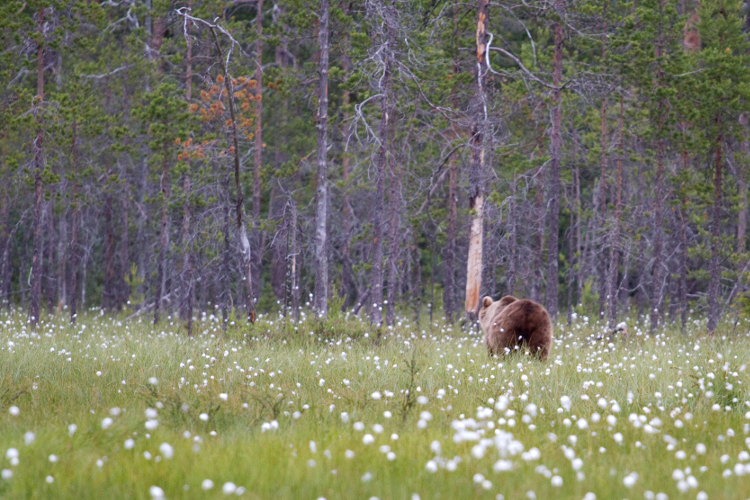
[[110, 408]]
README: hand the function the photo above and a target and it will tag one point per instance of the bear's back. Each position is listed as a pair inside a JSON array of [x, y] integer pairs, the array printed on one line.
[[525, 317]]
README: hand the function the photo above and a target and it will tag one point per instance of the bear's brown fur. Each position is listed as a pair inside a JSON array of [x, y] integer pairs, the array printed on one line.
[[510, 322]]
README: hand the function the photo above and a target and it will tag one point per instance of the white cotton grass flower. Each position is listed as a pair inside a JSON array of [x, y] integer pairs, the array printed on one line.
[[435, 447], [106, 423], [394, 437], [229, 488], [313, 447], [203, 417], [13, 410], [431, 466], [52, 458], [557, 481], [11, 453], [376, 395], [115, 411], [359, 426], [151, 424], [29, 438], [6, 474], [207, 484], [566, 403], [368, 439], [378, 429], [387, 414], [129, 444], [156, 493], [166, 450], [151, 414], [630, 479], [49, 479], [72, 428], [422, 400], [223, 396], [349, 454], [344, 417], [153, 380]]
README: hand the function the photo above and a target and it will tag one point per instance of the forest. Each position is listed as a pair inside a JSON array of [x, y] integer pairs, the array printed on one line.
[[384, 158]]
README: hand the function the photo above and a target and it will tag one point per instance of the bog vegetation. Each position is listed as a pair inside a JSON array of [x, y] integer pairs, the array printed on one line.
[[339, 410]]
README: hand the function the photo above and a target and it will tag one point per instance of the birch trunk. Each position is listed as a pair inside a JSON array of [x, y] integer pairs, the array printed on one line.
[[477, 173], [321, 202]]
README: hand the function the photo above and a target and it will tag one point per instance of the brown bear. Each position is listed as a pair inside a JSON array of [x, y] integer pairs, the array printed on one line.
[[510, 322]]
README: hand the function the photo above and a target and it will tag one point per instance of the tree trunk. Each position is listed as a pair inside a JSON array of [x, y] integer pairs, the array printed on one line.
[[683, 251], [386, 114], [512, 272], [36, 258], [657, 286], [477, 172], [449, 291], [394, 227], [5, 244], [247, 275], [714, 271], [614, 247], [255, 261], [601, 216], [74, 251], [553, 192], [161, 279], [293, 257], [321, 202], [186, 309], [109, 291]]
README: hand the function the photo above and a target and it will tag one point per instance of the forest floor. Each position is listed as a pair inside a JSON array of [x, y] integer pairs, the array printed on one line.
[[115, 409]]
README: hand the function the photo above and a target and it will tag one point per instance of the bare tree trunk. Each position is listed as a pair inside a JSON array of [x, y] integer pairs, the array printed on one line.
[[512, 272], [186, 309], [386, 115], [108, 293], [293, 258], [394, 227], [74, 251], [321, 207], [378, 206], [161, 283], [255, 261], [683, 250], [601, 216], [477, 172], [553, 194], [614, 247], [347, 274], [5, 244], [36, 259], [714, 271], [449, 291], [657, 287], [538, 242], [247, 277], [226, 261]]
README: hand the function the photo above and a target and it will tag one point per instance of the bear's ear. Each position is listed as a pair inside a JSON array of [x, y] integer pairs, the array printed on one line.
[[487, 302], [508, 299]]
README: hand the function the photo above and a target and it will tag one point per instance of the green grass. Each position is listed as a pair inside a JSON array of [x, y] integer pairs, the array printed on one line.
[[62, 375]]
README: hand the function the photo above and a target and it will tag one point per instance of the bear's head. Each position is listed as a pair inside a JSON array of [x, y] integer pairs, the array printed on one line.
[[490, 309]]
